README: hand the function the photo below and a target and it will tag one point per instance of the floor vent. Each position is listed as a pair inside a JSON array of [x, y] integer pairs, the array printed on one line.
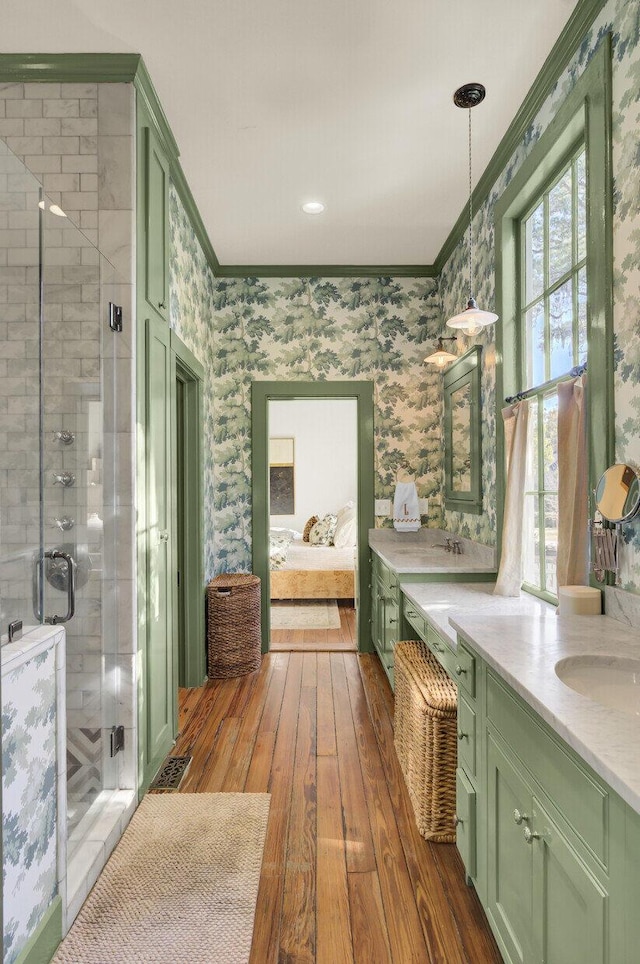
[[170, 775]]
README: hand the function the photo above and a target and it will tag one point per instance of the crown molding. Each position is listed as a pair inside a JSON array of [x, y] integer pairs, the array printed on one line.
[[326, 271]]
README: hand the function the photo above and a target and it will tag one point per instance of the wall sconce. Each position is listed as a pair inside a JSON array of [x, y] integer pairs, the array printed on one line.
[[441, 356]]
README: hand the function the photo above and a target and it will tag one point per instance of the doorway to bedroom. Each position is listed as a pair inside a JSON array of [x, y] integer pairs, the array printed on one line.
[[312, 506], [313, 529]]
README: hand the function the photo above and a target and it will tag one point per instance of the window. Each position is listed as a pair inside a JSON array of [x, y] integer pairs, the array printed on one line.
[[553, 226], [553, 336]]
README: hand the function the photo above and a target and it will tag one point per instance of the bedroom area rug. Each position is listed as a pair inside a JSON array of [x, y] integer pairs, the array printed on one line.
[[305, 615], [180, 887]]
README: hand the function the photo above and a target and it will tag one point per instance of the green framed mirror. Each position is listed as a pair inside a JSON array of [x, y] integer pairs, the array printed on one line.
[[463, 434]]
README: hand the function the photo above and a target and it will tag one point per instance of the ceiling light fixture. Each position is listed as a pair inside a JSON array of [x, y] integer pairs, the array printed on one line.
[[441, 356], [472, 319], [313, 207]]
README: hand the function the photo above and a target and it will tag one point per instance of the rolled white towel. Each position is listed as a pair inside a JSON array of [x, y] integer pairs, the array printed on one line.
[[406, 509]]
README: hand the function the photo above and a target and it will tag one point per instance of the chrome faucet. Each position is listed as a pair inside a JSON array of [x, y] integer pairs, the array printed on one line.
[[450, 545]]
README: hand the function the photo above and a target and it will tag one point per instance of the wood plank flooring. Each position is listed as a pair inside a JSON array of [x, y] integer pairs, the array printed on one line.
[[346, 878], [342, 640]]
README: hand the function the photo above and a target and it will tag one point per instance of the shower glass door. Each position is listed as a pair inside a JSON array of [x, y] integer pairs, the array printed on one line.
[[58, 495]]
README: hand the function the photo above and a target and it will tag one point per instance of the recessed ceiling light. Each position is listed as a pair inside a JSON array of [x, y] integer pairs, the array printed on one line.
[[313, 207]]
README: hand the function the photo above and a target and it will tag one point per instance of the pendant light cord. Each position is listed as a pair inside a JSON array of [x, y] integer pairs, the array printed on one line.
[[470, 217]]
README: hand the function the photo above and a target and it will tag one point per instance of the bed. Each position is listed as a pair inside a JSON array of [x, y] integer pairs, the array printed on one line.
[[302, 571]]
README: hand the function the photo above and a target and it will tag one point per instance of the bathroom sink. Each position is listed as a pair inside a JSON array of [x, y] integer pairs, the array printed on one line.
[[612, 681]]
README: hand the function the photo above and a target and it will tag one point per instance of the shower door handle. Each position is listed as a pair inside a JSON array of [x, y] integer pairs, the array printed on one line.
[[67, 558]]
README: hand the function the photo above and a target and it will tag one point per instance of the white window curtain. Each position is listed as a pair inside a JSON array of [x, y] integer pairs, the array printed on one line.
[[516, 423], [573, 503]]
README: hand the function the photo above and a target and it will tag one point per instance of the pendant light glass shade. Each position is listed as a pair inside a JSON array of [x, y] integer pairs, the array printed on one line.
[[472, 319], [440, 356]]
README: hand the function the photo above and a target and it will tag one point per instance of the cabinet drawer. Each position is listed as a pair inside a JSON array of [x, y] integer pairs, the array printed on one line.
[[579, 796], [415, 619], [466, 821], [466, 736], [441, 650], [464, 670]]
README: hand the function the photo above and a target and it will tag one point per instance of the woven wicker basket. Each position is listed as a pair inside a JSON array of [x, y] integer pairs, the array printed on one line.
[[425, 736], [233, 633]]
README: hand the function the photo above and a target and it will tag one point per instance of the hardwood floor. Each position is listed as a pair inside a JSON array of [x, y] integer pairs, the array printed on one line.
[[342, 640], [346, 878]]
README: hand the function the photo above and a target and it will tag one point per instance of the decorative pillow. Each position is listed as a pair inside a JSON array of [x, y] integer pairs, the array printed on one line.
[[323, 531], [308, 527], [346, 533]]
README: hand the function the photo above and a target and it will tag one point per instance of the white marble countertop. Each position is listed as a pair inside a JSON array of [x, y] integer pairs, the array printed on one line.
[[437, 601], [523, 650], [422, 553]]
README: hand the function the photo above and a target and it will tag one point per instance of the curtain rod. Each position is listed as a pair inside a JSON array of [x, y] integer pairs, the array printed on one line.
[[575, 372]]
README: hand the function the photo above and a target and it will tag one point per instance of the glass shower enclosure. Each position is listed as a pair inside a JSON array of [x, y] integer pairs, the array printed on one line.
[[58, 469]]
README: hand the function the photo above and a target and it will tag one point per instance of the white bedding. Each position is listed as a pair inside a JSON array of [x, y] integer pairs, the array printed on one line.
[[300, 555]]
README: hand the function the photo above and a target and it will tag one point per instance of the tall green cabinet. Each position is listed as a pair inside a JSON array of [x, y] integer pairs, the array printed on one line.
[[157, 678]]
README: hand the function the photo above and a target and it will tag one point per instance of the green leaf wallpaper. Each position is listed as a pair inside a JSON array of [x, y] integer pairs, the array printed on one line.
[[381, 329], [309, 329]]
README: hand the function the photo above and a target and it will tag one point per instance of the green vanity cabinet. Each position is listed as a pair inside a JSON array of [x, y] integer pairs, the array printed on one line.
[[553, 850], [385, 613]]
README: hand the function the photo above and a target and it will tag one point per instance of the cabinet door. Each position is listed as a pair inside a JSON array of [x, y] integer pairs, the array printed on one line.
[[391, 626], [156, 225], [509, 857], [569, 905], [158, 680], [466, 821]]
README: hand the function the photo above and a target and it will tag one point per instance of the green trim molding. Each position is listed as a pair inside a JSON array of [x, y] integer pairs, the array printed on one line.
[[191, 635], [42, 944], [584, 115], [130, 68], [261, 394], [327, 271]]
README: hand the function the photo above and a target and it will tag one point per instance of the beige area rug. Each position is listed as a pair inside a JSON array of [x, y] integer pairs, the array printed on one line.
[[180, 887], [305, 616]]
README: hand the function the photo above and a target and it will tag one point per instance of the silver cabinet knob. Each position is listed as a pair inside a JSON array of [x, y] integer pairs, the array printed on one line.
[[457, 820], [519, 817], [461, 735], [529, 835], [64, 436], [64, 478], [459, 670], [164, 536]]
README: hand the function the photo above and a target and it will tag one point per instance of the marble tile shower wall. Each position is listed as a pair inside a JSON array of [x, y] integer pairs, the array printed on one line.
[[77, 140]]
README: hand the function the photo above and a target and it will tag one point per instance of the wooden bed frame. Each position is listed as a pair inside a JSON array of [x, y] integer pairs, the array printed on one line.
[[312, 584]]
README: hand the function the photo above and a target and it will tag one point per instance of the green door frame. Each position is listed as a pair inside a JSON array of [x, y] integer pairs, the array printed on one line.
[[261, 394], [188, 465]]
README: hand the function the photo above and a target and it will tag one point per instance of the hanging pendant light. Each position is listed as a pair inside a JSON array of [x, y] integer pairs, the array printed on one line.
[[472, 319], [441, 356]]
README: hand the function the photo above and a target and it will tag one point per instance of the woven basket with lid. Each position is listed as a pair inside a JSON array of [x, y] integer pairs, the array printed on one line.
[[233, 633], [425, 736]]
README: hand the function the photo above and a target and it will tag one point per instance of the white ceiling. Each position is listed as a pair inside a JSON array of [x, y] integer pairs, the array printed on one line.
[[274, 102]]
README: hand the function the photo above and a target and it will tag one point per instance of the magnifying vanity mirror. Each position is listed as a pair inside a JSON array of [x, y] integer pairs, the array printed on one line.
[[617, 500]]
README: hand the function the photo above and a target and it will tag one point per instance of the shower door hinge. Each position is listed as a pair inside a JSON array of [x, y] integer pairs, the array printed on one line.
[[117, 739], [115, 317]]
